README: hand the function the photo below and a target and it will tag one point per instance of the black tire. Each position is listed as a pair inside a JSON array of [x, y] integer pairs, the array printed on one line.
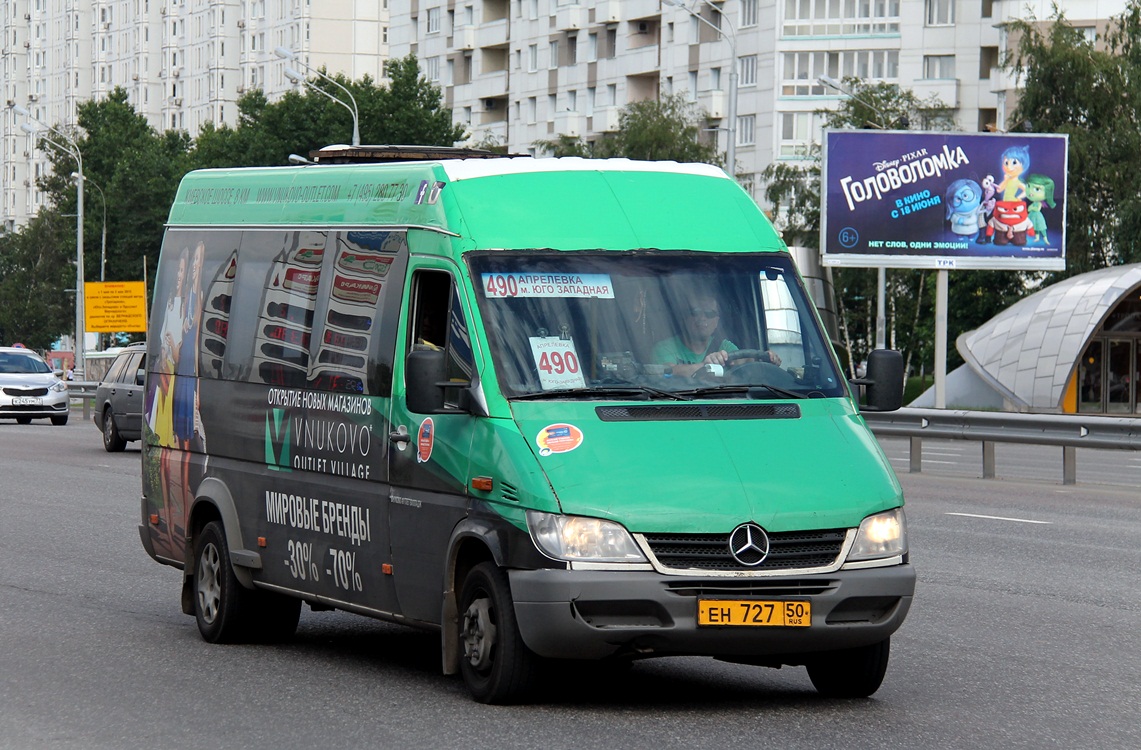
[[59, 421], [851, 673], [275, 617], [23, 420], [222, 606], [496, 665], [113, 442]]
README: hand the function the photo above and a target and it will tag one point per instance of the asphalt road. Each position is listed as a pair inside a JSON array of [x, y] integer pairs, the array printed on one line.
[[1023, 635]]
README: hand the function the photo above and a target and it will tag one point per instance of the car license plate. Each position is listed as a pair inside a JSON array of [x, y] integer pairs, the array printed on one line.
[[754, 612], [27, 401]]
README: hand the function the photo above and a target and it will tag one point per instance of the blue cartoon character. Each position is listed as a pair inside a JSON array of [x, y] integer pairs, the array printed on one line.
[[1039, 190], [965, 208], [1015, 161]]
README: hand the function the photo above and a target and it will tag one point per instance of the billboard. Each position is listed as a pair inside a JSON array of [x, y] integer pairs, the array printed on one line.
[[115, 306], [902, 199]]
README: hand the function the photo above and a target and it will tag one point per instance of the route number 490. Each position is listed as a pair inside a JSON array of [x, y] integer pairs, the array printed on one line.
[[558, 363]]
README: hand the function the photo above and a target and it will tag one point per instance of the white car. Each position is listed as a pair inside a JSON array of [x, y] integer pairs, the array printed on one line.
[[29, 389]]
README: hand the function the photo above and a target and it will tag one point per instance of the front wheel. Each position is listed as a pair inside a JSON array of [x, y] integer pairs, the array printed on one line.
[[59, 421], [113, 442], [851, 673], [496, 665]]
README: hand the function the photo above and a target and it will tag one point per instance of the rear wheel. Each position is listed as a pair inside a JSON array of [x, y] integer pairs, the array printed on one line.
[[112, 440], [496, 665], [851, 673], [222, 606]]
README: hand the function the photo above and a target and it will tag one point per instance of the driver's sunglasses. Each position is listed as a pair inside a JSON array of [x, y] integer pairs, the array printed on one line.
[[699, 312]]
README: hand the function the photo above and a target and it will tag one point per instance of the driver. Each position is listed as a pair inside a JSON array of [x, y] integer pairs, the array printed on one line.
[[699, 343]]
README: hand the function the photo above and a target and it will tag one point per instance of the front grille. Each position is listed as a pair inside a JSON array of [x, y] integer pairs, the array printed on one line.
[[730, 588], [13, 391], [692, 412], [791, 550]]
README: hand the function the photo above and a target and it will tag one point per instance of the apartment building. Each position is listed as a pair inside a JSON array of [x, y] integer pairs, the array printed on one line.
[[183, 63], [520, 71]]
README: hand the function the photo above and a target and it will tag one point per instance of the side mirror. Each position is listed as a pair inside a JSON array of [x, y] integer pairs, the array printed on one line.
[[423, 375], [883, 381]]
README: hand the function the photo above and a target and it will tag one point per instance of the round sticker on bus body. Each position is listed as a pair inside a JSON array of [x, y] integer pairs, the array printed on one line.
[[558, 438], [425, 437]]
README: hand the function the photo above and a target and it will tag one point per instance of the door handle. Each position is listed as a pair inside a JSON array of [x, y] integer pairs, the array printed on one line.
[[396, 436]]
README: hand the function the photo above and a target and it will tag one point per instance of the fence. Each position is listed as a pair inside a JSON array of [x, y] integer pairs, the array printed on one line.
[[1068, 431], [84, 392]]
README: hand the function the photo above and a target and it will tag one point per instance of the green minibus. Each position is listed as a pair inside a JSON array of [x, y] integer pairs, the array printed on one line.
[[556, 410]]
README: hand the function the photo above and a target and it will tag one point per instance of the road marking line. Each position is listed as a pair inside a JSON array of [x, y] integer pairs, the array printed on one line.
[[999, 518]]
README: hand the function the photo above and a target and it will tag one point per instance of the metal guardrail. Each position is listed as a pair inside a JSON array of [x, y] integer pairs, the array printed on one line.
[[1068, 431], [83, 391]]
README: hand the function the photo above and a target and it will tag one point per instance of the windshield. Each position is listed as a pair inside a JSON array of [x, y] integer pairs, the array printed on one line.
[[19, 363], [651, 325]]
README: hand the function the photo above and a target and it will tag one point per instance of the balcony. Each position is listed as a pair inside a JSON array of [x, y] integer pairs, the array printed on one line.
[[570, 17], [947, 89], [713, 102], [1001, 80], [605, 120], [569, 124], [464, 38], [608, 11]]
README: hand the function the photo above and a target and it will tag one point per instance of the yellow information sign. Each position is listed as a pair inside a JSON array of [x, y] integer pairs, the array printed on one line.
[[115, 306]]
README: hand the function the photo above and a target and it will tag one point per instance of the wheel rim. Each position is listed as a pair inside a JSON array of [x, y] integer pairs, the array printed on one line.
[[108, 426], [209, 582], [479, 633]]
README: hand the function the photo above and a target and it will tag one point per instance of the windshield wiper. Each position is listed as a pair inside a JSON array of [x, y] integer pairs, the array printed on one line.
[[629, 391], [747, 390]]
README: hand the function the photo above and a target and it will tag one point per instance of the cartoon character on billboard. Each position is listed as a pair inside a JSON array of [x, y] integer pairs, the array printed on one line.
[[965, 208], [1010, 224], [1015, 161], [1039, 190]]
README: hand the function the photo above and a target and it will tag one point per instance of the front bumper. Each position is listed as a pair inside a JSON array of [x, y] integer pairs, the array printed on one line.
[[51, 405], [569, 614]]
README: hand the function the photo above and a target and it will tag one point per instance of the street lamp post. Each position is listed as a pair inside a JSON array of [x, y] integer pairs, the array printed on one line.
[[71, 148], [296, 77], [731, 38]]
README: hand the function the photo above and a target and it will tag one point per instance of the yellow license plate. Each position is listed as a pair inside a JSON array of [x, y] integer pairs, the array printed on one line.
[[754, 613]]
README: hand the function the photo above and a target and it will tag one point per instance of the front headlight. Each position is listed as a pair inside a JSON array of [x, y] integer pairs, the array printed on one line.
[[576, 538], [58, 386], [881, 535]]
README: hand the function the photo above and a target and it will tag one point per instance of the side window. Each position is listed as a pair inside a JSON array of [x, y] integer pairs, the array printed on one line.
[[115, 374], [438, 322]]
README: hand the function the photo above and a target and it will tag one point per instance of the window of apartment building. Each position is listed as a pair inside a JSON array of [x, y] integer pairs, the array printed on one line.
[[746, 130], [940, 12], [572, 101], [939, 66], [533, 9], [611, 42], [572, 49], [748, 13], [611, 95], [469, 15], [987, 9], [591, 97], [532, 109], [433, 20], [715, 79], [553, 61], [747, 70], [797, 132], [836, 17], [988, 59], [692, 93], [552, 106], [591, 47], [467, 115], [451, 73], [384, 34], [532, 58], [1089, 32], [694, 30], [432, 68], [802, 70]]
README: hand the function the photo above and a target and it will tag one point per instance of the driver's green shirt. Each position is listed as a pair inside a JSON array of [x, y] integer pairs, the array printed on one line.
[[673, 351]]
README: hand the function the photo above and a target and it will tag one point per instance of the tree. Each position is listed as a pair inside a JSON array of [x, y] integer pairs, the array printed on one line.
[[1092, 93], [669, 128], [36, 272], [409, 112]]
